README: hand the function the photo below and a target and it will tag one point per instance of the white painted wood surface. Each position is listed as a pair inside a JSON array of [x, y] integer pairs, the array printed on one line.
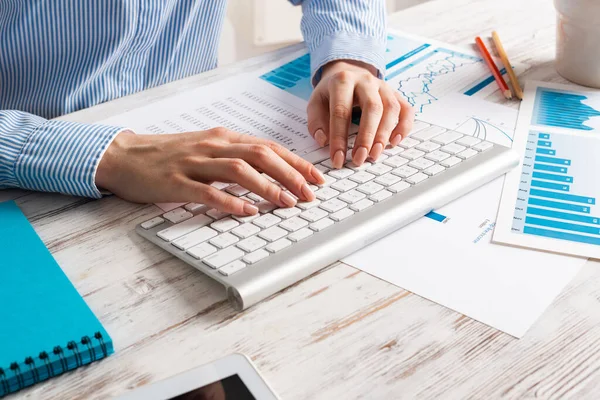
[[340, 334]]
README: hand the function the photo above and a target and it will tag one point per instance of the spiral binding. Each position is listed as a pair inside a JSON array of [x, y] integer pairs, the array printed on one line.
[[33, 364]]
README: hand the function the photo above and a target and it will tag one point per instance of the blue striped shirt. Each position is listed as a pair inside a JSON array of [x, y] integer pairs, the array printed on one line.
[[57, 57]]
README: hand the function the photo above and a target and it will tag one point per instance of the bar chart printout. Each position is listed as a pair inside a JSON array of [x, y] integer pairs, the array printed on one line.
[[552, 200]]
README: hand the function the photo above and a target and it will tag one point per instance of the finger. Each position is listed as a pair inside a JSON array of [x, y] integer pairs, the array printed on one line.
[[262, 157], [389, 121], [405, 123], [198, 192], [239, 171], [318, 118], [341, 91], [371, 106], [308, 171]]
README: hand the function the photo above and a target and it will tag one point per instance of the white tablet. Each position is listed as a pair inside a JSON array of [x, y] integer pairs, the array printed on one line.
[[232, 377]]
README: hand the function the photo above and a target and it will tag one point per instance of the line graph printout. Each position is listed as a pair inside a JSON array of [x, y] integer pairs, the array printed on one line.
[[424, 71], [552, 201]]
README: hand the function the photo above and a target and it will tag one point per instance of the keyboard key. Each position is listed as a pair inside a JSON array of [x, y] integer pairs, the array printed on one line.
[[387, 179], [307, 205], [328, 180], [223, 257], [341, 173], [301, 234], [256, 256], [355, 168], [293, 224], [154, 222], [184, 228], [408, 143], [379, 169], [437, 156], [362, 177], [483, 146], [393, 151], [321, 224], [344, 185], [177, 215], [220, 185], [450, 162], [447, 137], [418, 126], [369, 188], [399, 187], [273, 233], [255, 197], [405, 171], [351, 141], [232, 268], [427, 146], [279, 245], [352, 196], [265, 206], [323, 169], [202, 250], [361, 205], [267, 221], [453, 148], [332, 205], [468, 141], [216, 214], [380, 196], [224, 240], [248, 199], [314, 214], [318, 155], [246, 230], [468, 153], [287, 212], [421, 163], [237, 190], [381, 158], [434, 170], [191, 207], [251, 244], [428, 133], [413, 154], [246, 218], [416, 178], [225, 224], [341, 214], [396, 161], [326, 193], [194, 238]]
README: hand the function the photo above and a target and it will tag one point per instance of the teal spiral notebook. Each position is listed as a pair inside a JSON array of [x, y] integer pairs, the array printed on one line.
[[46, 328]]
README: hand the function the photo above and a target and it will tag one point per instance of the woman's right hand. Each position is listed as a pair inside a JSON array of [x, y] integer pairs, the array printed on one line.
[[180, 168]]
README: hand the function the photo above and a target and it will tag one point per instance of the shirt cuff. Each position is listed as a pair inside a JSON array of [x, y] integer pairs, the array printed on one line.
[[368, 49], [62, 156]]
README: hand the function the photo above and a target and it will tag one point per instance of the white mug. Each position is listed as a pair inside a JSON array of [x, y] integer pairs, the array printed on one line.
[[578, 41]]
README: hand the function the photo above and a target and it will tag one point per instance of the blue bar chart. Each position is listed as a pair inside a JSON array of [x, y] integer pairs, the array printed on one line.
[[554, 199], [563, 109]]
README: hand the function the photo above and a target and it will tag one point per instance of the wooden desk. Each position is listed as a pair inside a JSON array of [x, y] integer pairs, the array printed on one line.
[[341, 334]]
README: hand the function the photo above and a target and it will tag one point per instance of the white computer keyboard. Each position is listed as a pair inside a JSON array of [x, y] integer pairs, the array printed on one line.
[[224, 245]]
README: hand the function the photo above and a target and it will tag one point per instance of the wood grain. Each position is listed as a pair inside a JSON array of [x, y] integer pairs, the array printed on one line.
[[340, 334]]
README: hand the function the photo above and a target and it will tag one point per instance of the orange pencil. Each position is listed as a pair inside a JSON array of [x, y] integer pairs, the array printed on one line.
[[492, 65]]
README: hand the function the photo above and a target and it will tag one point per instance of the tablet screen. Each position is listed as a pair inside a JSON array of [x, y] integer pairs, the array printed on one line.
[[230, 388]]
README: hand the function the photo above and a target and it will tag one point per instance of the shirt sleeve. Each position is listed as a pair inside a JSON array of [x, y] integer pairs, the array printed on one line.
[[51, 156], [344, 29]]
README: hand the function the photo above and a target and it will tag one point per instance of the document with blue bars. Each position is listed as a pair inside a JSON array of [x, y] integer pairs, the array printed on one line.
[[552, 201]]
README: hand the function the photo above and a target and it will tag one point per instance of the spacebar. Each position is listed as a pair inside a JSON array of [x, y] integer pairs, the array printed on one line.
[[317, 156]]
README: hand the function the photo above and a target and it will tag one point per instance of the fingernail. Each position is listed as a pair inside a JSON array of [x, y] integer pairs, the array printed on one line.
[[307, 193], [396, 140], [338, 159], [249, 209], [360, 156], [317, 175], [320, 137], [376, 150], [287, 199]]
